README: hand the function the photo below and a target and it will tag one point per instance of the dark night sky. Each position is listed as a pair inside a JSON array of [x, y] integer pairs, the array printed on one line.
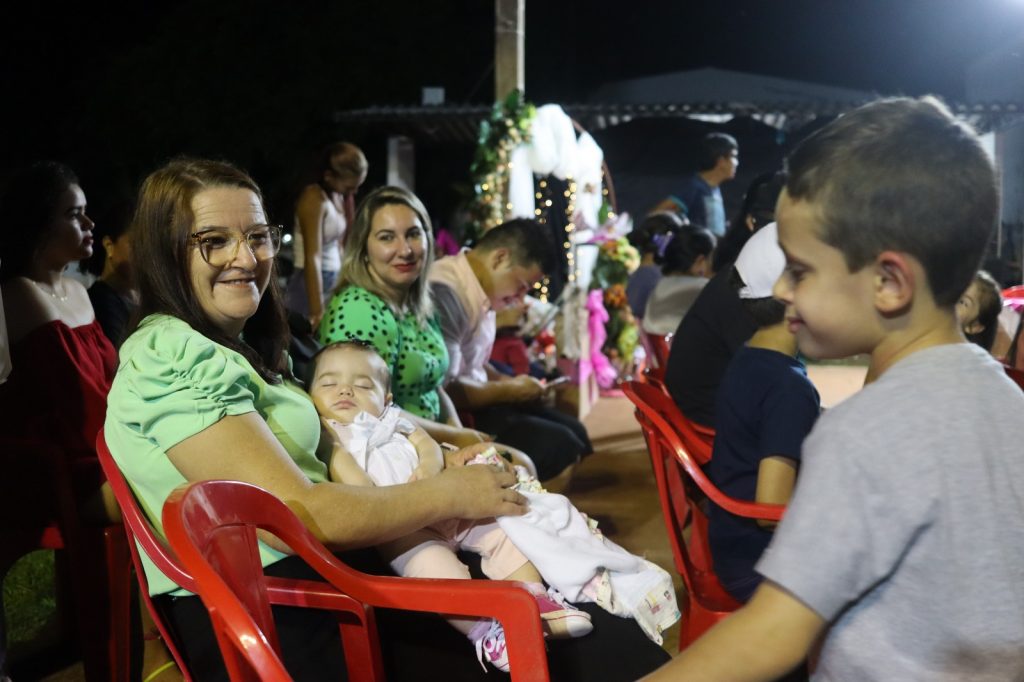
[[115, 88], [897, 46]]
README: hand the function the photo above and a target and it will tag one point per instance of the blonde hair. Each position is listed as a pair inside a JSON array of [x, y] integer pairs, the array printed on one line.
[[355, 265]]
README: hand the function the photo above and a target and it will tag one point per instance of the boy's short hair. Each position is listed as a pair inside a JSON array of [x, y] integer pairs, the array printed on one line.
[[528, 241], [713, 147], [990, 304], [355, 344], [901, 174]]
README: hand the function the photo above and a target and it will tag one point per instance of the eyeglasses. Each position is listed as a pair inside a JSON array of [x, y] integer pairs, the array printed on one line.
[[218, 246]]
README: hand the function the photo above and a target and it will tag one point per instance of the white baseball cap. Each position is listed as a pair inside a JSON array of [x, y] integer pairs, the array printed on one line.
[[760, 263]]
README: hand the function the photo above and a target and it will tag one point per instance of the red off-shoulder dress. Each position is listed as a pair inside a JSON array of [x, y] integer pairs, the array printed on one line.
[[57, 393]]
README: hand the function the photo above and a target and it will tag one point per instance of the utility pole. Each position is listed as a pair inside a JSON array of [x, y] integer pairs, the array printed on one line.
[[509, 47]]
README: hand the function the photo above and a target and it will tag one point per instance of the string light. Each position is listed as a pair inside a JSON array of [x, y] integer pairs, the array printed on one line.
[[570, 228]]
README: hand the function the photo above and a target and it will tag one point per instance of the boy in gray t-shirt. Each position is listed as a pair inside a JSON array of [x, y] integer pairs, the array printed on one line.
[[902, 552]]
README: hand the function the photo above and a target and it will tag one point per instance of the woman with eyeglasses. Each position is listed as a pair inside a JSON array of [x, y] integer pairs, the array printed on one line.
[[322, 215], [203, 391]]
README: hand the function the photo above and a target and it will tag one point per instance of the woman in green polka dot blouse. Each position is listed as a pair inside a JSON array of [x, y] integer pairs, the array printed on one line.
[[382, 297]]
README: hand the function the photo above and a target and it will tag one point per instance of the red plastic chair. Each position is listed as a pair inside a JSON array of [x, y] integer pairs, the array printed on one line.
[[1015, 374], [212, 527], [677, 472], [704, 436], [356, 621], [698, 438], [657, 348], [1014, 292], [40, 510]]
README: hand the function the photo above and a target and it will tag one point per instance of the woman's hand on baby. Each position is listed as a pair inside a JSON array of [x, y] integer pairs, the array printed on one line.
[[480, 492]]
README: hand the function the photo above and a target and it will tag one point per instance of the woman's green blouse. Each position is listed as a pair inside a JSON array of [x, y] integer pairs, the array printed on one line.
[[172, 382], [416, 354]]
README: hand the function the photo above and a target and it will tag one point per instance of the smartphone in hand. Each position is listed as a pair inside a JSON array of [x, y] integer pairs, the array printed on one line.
[[556, 382]]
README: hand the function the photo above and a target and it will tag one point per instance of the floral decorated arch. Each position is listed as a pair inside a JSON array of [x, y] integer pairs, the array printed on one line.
[[523, 151]]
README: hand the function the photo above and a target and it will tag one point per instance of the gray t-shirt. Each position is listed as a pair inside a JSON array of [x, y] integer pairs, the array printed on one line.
[[906, 529]]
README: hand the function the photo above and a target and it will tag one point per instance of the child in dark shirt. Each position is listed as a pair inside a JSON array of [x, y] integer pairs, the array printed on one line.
[[765, 407]]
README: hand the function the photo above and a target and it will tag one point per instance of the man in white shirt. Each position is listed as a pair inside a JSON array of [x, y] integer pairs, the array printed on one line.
[[467, 288]]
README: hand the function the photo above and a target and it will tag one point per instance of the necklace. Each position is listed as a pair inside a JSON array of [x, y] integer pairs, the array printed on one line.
[[52, 291]]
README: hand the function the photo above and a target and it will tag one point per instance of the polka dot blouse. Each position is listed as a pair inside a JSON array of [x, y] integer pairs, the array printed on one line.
[[416, 355]]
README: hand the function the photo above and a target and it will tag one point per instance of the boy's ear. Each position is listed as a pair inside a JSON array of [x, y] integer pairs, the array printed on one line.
[[387, 398], [497, 258], [895, 282]]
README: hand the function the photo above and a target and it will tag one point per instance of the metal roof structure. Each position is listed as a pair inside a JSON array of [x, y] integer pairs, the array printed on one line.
[[713, 95], [460, 124]]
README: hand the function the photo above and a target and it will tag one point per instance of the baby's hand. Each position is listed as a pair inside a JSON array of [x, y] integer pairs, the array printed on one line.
[[459, 457]]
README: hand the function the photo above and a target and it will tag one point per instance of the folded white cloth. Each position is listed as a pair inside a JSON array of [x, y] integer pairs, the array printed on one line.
[[380, 445], [585, 566]]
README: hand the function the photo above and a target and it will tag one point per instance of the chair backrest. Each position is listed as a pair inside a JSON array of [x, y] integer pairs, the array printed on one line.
[[657, 347], [141, 532], [222, 552], [41, 493], [138, 526], [211, 525], [1014, 292], [697, 438], [659, 410], [684, 491], [358, 626]]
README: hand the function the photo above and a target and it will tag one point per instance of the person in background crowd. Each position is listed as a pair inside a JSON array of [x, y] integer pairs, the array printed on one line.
[[646, 240], [113, 295], [700, 198], [62, 363], [978, 310], [323, 212], [467, 289], [685, 268], [756, 211], [715, 326]]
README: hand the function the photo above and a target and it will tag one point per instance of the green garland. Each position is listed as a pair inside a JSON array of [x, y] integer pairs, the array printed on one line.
[[507, 128]]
